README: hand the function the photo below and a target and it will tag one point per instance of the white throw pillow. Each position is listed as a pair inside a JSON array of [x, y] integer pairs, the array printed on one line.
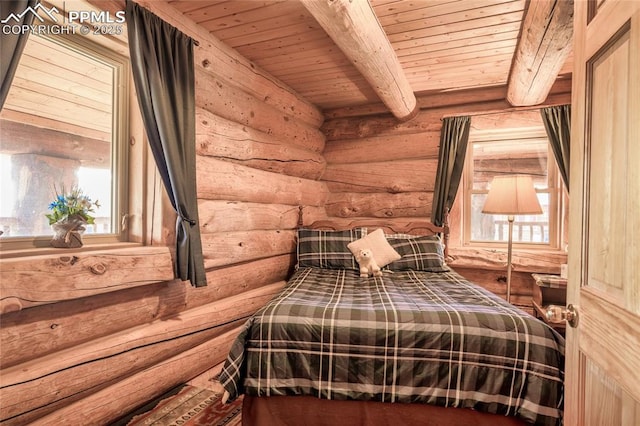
[[383, 253]]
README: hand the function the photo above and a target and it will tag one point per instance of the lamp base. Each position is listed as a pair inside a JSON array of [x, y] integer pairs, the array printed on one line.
[[509, 253]]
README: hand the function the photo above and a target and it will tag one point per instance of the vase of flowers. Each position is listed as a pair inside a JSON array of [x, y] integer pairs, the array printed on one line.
[[68, 217]]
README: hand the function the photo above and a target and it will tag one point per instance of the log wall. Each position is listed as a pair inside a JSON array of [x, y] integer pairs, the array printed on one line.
[[88, 336]]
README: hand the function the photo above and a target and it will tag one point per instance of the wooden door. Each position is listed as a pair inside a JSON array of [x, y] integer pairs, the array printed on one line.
[[603, 351]]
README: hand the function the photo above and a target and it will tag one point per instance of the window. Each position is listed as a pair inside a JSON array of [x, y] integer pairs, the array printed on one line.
[[499, 152], [64, 125]]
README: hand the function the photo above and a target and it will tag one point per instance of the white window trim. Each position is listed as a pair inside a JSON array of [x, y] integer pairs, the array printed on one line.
[[145, 212], [556, 207]]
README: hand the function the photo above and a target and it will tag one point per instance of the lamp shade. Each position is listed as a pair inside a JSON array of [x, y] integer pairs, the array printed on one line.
[[511, 195]]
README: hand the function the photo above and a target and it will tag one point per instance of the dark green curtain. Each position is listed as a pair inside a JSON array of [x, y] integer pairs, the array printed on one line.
[[557, 121], [12, 45], [163, 73], [453, 147]]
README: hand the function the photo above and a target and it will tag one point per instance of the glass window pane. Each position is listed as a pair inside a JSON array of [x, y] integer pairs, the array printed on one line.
[[57, 126], [495, 228], [528, 156]]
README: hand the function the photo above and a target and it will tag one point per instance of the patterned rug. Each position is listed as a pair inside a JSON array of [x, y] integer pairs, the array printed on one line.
[[192, 406]]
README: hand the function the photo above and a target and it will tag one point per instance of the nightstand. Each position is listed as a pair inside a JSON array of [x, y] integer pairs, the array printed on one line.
[[549, 290]]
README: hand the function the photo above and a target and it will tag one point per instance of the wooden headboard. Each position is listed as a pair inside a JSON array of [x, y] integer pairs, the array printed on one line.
[[414, 227]]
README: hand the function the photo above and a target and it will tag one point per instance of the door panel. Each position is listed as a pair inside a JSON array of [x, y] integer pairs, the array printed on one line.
[[607, 151], [603, 352]]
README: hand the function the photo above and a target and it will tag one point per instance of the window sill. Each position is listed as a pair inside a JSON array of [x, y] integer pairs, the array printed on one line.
[[45, 251], [541, 261], [41, 276]]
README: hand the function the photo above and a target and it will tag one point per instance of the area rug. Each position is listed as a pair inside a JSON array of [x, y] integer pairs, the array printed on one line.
[[192, 406]]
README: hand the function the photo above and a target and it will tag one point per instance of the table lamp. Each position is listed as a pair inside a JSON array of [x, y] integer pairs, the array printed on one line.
[[511, 195]]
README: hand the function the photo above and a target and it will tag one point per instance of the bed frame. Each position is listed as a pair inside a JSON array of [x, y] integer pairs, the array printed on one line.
[[311, 411], [414, 227]]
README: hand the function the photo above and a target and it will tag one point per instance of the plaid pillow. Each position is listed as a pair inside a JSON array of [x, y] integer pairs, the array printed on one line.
[[420, 253], [327, 249]]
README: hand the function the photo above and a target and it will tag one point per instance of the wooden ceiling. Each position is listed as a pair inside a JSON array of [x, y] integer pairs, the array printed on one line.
[[441, 45]]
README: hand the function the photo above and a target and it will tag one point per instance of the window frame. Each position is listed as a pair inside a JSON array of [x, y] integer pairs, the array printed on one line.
[[120, 136], [555, 189]]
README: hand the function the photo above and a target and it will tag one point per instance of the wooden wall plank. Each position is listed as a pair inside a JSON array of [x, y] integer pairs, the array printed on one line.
[[48, 279], [226, 248], [256, 149], [392, 176], [383, 148], [224, 216], [108, 404], [88, 366], [223, 99], [50, 328], [222, 180], [355, 204]]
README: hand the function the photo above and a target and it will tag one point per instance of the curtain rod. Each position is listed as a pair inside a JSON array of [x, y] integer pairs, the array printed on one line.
[[502, 111]]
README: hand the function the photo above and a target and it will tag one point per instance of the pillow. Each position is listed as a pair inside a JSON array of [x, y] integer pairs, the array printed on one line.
[[327, 249], [420, 253], [383, 253]]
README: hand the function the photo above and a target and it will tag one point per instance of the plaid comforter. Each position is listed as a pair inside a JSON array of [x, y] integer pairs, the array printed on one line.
[[407, 337]]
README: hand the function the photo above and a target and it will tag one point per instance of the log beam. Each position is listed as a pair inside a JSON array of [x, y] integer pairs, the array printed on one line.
[[353, 26], [543, 47]]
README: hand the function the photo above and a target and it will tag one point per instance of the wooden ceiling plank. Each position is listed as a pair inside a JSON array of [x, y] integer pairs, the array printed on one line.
[[462, 38], [303, 75], [45, 51], [451, 12], [228, 27], [472, 64], [45, 123], [271, 34], [185, 6], [336, 84], [307, 56], [544, 45], [286, 44], [229, 9], [460, 30], [385, 8], [355, 29], [36, 70], [103, 104], [264, 20], [318, 64], [446, 55], [442, 44], [56, 114]]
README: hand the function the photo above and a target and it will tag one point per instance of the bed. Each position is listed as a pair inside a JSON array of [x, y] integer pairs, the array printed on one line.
[[418, 343]]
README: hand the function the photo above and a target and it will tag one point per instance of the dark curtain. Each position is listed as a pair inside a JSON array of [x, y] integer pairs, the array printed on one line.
[[163, 72], [453, 147], [12, 45], [557, 121]]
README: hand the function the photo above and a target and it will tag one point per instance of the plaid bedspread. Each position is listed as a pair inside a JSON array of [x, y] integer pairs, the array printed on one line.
[[406, 337]]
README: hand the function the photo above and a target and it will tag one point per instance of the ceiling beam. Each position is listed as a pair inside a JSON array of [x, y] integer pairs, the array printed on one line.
[[543, 47], [355, 29]]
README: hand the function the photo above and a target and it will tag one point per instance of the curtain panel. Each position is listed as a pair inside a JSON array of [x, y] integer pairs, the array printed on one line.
[[557, 122], [12, 45], [163, 73], [453, 148]]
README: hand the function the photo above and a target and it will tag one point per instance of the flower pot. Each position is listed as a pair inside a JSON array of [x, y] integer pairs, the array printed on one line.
[[68, 233]]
